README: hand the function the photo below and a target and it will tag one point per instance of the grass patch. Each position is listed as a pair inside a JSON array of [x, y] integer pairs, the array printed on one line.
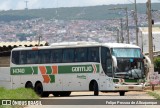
[[20, 93], [155, 94]]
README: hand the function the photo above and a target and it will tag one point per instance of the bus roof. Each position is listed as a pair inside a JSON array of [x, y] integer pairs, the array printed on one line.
[[79, 44], [120, 45]]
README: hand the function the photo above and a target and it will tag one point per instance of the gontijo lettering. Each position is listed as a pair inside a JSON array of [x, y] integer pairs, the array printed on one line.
[[82, 69]]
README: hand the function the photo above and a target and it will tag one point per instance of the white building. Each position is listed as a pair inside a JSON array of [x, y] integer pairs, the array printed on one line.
[[143, 38]]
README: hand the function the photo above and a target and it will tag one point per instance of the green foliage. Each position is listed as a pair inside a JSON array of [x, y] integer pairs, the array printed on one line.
[[20, 93], [157, 64], [155, 94], [74, 13]]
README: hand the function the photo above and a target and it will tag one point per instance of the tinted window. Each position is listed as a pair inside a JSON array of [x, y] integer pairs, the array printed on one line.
[[68, 55], [23, 57], [93, 54], [44, 56], [32, 57], [15, 57], [106, 61], [81, 55], [56, 56]]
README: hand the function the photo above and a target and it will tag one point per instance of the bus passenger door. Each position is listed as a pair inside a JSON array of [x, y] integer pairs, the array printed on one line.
[[107, 72]]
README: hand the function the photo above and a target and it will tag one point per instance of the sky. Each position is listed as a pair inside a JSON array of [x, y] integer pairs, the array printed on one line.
[[36, 4]]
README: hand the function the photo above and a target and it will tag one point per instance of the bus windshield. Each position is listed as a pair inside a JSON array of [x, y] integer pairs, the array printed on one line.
[[126, 52], [129, 63]]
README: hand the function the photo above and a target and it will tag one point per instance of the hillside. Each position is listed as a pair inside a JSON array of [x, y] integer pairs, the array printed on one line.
[[72, 13]]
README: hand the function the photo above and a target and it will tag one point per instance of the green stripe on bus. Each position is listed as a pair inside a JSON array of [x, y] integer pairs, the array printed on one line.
[[23, 70], [61, 69], [52, 78], [98, 69], [35, 70], [77, 69], [49, 69]]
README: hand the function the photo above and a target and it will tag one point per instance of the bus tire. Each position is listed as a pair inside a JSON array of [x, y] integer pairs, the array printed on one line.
[[65, 93], [122, 93], [39, 90], [29, 85], [95, 89]]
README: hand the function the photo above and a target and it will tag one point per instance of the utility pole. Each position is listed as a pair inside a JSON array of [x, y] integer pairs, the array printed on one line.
[[117, 35], [150, 38], [39, 39], [122, 39], [136, 20], [127, 25], [26, 4]]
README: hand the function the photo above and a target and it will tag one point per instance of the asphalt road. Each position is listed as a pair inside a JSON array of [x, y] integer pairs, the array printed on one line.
[[105, 97]]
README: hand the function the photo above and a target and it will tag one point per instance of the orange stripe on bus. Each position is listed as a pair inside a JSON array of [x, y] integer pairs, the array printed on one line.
[[42, 69], [35, 48], [46, 78], [54, 69]]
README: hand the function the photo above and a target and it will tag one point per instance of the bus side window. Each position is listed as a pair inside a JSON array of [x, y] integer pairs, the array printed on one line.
[[23, 57], [44, 56], [68, 55], [32, 57], [81, 55], [15, 57], [56, 56], [93, 54]]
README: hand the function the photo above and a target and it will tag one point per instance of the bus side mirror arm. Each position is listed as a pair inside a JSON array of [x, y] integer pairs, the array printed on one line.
[[114, 59], [148, 61]]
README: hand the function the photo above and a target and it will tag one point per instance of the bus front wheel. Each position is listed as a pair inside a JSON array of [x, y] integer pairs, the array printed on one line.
[[122, 93], [95, 89]]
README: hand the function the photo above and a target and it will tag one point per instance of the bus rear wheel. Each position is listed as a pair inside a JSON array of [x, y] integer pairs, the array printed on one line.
[[39, 90]]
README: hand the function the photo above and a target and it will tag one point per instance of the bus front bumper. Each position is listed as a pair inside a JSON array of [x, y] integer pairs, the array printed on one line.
[[119, 87]]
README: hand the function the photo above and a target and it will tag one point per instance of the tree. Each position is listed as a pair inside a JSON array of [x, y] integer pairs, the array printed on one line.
[[157, 64]]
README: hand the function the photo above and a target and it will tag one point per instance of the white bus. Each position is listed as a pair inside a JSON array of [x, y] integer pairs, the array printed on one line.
[[61, 68]]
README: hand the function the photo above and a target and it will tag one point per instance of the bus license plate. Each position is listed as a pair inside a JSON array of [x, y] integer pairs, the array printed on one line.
[[131, 87]]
